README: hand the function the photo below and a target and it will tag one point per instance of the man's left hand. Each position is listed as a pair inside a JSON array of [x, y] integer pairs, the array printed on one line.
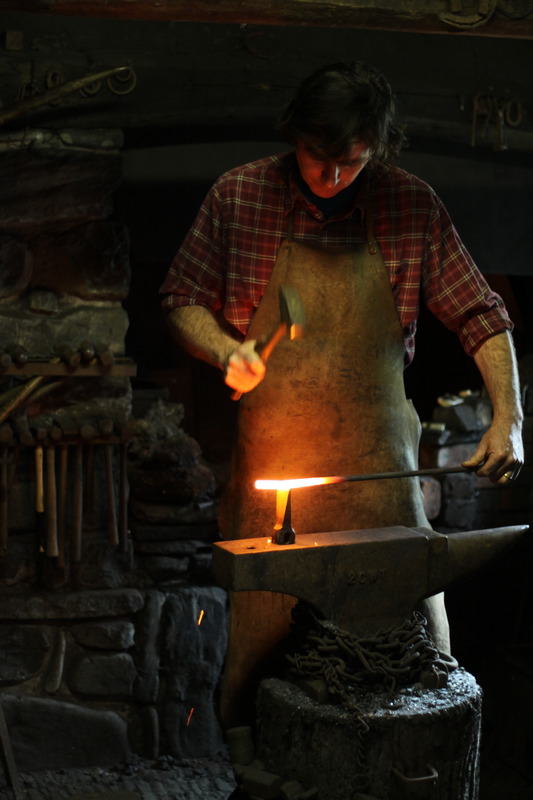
[[500, 453]]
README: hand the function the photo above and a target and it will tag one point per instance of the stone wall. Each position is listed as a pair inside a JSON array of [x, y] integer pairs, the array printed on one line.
[[111, 631], [89, 677]]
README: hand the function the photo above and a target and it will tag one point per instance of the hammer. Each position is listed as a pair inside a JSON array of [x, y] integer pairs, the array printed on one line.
[[291, 323]]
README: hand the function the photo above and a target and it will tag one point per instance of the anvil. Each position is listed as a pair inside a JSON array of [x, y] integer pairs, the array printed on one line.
[[361, 580]]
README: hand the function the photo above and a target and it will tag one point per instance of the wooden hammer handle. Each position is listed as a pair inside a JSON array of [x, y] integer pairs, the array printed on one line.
[[77, 505], [265, 348], [52, 548]]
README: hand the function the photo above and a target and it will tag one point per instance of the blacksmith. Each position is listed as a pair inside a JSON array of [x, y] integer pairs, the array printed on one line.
[[364, 243]]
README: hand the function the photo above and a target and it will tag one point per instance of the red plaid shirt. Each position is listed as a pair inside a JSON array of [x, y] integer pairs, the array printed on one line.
[[227, 257]]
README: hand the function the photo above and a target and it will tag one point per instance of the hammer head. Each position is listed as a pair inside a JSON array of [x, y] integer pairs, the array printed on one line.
[[291, 311], [291, 321]]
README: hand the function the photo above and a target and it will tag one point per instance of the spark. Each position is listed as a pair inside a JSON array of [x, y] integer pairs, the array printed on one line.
[[191, 712], [200, 617]]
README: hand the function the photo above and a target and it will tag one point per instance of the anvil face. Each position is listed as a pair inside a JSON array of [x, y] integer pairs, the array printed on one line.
[[361, 580], [348, 576]]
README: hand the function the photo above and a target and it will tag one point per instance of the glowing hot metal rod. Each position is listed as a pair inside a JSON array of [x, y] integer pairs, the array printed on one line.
[[300, 483], [283, 530]]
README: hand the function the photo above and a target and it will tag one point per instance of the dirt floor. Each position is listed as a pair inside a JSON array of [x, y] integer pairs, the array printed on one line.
[[136, 779], [198, 779]]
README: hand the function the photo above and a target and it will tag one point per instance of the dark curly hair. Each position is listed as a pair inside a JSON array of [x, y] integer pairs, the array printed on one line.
[[341, 104]]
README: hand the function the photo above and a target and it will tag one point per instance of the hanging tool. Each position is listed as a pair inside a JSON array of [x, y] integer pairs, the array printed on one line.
[[62, 504], [9, 760], [501, 111], [291, 323], [104, 354], [112, 527], [52, 549], [67, 354], [77, 505], [86, 350], [18, 353], [4, 499], [123, 494], [58, 92]]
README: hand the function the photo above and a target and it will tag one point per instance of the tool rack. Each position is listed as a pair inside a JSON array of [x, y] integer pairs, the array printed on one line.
[[64, 451]]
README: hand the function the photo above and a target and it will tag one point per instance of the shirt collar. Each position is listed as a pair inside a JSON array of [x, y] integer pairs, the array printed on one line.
[[295, 199]]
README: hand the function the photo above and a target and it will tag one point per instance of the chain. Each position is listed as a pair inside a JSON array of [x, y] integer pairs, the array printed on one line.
[[348, 664]]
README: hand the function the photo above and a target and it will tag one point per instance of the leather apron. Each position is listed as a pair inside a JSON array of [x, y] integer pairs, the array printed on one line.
[[332, 403]]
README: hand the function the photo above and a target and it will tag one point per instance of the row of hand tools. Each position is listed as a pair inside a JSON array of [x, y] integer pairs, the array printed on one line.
[[64, 451], [67, 496], [86, 353]]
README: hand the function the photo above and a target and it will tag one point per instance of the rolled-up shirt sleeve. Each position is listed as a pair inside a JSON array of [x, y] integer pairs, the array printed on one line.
[[455, 290], [196, 275]]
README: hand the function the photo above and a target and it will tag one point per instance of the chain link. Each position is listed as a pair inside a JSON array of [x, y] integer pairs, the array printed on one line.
[[348, 664]]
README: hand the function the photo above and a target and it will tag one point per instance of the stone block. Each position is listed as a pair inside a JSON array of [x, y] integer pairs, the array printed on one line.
[[106, 635], [173, 515], [16, 264], [193, 645], [89, 261], [462, 418], [146, 653], [46, 188], [104, 675], [458, 514], [262, 784], [74, 322], [172, 484], [191, 531], [459, 486], [451, 455], [49, 734], [24, 649], [163, 569], [72, 605]]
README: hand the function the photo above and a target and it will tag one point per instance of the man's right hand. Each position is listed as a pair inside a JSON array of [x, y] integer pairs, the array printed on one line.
[[196, 329], [245, 368]]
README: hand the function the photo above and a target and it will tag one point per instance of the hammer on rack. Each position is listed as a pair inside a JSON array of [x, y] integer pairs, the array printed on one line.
[[291, 323]]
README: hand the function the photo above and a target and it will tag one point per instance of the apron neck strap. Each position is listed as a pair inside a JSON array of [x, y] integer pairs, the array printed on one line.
[[290, 227], [371, 242]]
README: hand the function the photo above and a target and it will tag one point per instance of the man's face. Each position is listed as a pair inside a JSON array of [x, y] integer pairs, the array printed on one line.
[[326, 176]]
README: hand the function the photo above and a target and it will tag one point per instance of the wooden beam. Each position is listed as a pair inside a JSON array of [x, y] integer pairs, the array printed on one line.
[[420, 16]]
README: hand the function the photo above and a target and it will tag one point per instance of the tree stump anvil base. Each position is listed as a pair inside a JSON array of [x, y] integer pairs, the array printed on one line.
[[415, 743]]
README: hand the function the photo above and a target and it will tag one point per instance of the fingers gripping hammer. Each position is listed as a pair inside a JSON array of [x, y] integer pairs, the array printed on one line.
[[291, 323]]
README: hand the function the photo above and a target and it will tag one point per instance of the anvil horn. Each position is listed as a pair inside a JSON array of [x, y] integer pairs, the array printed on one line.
[[469, 551]]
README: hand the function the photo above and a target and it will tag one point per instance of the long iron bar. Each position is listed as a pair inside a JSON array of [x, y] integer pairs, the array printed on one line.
[[413, 473], [301, 483]]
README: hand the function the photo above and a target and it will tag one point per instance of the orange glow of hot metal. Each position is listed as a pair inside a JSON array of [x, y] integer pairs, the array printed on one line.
[[200, 617], [191, 712], [282, 496], [297, 483]]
